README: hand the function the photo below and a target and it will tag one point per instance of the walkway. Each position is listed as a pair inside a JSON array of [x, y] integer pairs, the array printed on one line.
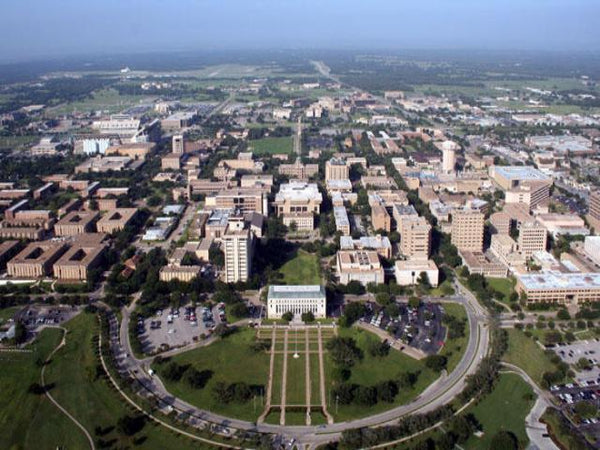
[[322, 380], [537, 431], [265, 413], [307, 377], [284, 378]]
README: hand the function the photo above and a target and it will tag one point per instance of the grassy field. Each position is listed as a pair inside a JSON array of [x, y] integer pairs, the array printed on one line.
[[90, 398], [14, 142], [231, 360], [372, 370], [106, 100], [504, 409], [28, 420], [8, 313], [302, 269], [504, 285], [525, 353], [454, 348], [272, 145]]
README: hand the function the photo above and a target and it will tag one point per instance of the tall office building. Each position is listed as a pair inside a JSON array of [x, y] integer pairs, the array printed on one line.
[[415, 238], [532, 238], [448, 160], [467, 229], [178, 144], [595, 205], [336, 169], [238, 255]]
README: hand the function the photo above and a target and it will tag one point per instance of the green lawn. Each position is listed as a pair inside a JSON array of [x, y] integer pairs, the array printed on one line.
[[231, 360], [90, 398], [504, 285], [29, 420], [525, 353], [8, 313], [453, 349], [272, 145], [304, 268], [372, 370], [504, 409]]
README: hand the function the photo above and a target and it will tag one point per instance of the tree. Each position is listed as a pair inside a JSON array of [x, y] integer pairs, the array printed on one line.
[[293, 227], [414, 302], [504, 440], [383, 298], [196, 379], [343, 351], [423, 280], [585, 409], [366, 395], [288, 316], [437, 363], [20, 332], [308, 317], [352, 312], [239, 309], [129, 425]]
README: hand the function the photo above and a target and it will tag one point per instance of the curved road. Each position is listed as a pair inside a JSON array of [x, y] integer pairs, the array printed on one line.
[[437, 394]]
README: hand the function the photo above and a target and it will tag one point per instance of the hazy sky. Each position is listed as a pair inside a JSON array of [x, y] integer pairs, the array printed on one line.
[[34, 28]]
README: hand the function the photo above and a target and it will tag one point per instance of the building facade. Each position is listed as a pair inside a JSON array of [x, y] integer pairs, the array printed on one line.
[[297, 300]]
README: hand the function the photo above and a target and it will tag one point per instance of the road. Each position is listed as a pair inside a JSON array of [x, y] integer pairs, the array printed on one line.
[[439, 393]]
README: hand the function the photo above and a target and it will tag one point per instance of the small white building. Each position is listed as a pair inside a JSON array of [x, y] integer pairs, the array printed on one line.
[[408, 272], [296, 299]]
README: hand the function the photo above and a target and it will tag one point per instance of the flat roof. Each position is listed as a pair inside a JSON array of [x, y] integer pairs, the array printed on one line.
[[552, 280], [520, 173], [296, 291]]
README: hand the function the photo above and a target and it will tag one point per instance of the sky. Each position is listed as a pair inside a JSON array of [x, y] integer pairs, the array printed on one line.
[[38, 28]]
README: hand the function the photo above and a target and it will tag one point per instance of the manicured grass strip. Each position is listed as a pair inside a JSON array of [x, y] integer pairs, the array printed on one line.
[[504, 409], [232, 360], [272, 145], [525, 353], [302, 269], [453, 349]]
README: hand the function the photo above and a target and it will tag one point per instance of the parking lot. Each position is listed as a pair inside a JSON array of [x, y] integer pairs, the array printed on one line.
[[178, 327], [570, 394], [420, 328], [35, 316], [572, 353]]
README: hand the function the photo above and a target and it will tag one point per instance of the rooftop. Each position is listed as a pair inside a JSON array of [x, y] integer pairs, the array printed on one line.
[[297, 291], [551, 280]]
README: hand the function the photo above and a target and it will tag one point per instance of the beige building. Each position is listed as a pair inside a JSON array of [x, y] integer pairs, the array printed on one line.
[[408, 272], [82, 257], [342, 223], [359, 265], [561, 288], [172, 161], [299, 170], [115, 220], [136, 150], [36, 260], [178, 144], [594, 210], [485, 264], [298, 202], [467, 230], [532, 193], [532, 238], [237, 246], [380, 218], [244, 200], [181, 273], [415, 236], [8, 249], [336, 169], [297, 300], [76, 222], [500, 222]]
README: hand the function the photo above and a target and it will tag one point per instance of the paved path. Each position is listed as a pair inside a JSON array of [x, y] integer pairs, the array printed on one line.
[[284, 378], [263, 416], [322, 380], [47, 392], [307, 377], [537, 431]]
